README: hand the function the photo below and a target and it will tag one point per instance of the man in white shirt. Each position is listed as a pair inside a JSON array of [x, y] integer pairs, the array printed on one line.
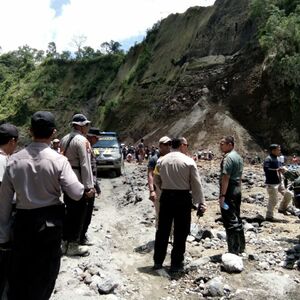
[[36, 174], [8, 142], [177, 175]]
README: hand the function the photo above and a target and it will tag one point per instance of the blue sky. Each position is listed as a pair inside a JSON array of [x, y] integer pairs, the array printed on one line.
[[57, 6], [38, 22]]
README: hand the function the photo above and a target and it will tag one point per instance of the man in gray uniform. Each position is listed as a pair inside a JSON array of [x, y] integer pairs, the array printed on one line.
[[77, 149], [92, 136], [177, 174], [36, 175], [8, 143], [164, 148]]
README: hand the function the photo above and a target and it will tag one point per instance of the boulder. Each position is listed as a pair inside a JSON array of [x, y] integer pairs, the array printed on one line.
[[232, 263]]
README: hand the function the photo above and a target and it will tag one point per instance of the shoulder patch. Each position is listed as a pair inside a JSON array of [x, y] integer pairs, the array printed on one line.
[[87, 146]]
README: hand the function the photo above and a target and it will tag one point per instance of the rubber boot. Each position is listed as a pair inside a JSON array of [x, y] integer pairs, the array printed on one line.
[[233, 241], [242, 241]]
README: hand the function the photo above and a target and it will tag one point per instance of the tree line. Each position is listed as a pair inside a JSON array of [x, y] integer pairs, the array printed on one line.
[[279, 37]]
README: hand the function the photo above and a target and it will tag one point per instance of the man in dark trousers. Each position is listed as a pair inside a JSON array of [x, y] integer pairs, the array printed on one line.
[[36, 175], [274, 170], [177, 174], [77, 149], [92, 136], [154, 191], [8, 142], [230, 195]]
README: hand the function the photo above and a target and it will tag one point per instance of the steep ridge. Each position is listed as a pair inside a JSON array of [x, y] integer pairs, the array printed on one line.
[[204, 77], [201, 74]]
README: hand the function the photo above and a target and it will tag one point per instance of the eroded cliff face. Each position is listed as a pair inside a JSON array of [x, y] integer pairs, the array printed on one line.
[[204, 77]]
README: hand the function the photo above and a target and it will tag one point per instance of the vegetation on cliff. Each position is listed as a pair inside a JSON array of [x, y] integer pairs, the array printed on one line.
[[32, 80], [279, 36]]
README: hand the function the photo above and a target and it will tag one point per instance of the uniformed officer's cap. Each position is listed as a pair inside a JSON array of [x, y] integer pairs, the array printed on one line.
[[55, 141], [44, 119], [273, 147], [8, 131], [80, 119], [93, 131], [165, 140]]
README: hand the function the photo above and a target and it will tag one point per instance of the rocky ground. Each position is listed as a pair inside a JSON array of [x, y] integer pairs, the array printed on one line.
[[119, 266]]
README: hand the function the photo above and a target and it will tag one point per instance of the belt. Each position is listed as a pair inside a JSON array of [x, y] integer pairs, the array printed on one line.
[[56, 209], [176, 191]]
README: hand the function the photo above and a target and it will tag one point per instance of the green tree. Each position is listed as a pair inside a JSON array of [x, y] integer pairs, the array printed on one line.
[[66, 55], [111, 47], [279, 36], [51, 51]]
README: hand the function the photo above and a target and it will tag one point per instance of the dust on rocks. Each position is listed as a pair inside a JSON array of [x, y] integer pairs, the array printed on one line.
[[123, 233]]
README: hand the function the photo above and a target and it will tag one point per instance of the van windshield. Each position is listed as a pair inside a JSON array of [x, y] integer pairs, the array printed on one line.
[[107, 142]]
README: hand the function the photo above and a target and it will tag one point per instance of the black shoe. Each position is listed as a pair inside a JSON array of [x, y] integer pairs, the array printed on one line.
[[157, 267], [283, 211], [177, 268], [86, 241]]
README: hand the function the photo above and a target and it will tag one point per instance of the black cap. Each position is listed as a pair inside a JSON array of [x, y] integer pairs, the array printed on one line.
[[93, 131], [80, 119], [8, 130], [44, 119]]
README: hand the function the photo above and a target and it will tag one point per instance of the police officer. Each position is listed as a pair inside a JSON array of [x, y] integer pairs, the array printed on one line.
[[154, 191], [36, 175], [230, 195], [177, 175], [77, 149], [55, 145], [8, 142], [92, 136]]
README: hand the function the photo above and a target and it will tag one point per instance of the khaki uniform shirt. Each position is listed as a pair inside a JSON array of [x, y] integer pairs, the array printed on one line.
[[177, 171], [36, 174], [3, 162], [79, 156]]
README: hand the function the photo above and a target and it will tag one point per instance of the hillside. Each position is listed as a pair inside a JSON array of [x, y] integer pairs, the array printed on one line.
[[201, 74]]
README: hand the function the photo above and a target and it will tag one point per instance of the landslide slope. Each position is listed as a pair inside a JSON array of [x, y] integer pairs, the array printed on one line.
[[202, 74]]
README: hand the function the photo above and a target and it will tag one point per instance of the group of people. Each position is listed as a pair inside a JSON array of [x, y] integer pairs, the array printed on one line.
[[175, 187], [37, 224], [34, 219], [139, 153]]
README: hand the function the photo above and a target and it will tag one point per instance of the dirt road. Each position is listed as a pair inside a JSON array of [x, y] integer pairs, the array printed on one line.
[[121, 258]]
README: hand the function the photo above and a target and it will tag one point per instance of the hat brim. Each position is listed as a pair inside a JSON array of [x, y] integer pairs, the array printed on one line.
[[82, 123], [93, 134]]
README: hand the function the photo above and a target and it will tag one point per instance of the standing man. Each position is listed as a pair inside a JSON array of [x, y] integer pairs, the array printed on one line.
[[230, 195], [55, 145], [36, 175], [177, 174], [92, 136], [154, 191], [77, 149], [274, 182], [8, 142], [141, 152]]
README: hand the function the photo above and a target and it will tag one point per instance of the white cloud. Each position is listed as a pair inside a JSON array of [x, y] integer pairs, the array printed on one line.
[[33, 22], [25, 22]]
